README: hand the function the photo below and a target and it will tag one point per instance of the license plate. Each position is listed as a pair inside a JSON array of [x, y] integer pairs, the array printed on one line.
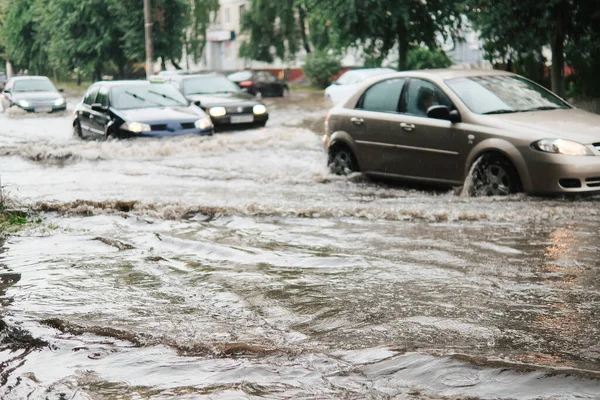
[[43, 109], [242, 119]]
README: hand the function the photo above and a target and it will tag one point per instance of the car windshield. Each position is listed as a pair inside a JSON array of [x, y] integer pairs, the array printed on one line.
[[240, 76], [33, 85], [503, 95], [126, 97], [209, 85]]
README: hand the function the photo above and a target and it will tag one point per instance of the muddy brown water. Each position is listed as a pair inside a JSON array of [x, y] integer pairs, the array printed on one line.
[[237, 267]]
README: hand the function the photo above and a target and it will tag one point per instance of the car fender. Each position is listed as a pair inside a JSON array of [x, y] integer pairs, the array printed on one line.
[[509, 150]]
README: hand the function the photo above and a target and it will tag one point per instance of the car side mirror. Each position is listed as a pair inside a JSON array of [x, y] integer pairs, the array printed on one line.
[[6, 91], [61, 90], [99, 107], [443, 113], [198, 103]]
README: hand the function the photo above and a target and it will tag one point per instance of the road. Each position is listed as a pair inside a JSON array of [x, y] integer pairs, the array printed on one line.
[[237, 266]]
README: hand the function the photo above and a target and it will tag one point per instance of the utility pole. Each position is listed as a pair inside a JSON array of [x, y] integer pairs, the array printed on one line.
[[149, 47]]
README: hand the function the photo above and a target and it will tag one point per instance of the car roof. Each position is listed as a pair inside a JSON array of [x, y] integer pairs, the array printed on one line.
[[450, 73], [28, 78], [122, 83]]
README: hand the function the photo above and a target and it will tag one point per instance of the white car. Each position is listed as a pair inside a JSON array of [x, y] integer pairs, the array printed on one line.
[[349, 82]]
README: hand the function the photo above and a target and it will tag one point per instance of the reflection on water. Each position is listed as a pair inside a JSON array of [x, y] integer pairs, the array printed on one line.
[[287, 307]]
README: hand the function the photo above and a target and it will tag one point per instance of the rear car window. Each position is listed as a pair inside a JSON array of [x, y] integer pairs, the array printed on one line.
[[383, 96]]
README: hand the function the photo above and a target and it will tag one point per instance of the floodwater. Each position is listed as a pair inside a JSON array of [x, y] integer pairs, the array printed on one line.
[[237, 266]]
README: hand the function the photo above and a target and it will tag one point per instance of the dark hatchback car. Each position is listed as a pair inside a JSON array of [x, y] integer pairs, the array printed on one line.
[[227, 105], [33, 94], [260, 83], [124, 109]]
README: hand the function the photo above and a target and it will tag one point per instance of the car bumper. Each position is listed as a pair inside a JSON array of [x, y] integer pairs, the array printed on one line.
[[43, 108], [230, 120], [159, 134], [554, 173]]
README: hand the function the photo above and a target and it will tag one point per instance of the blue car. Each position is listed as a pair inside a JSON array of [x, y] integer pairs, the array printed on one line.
[[125, 109]]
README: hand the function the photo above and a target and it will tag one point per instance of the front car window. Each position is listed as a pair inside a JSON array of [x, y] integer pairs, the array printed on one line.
[[421, 95], [503, 94], [383, 96], [209, 85], [33, 85], [102, 97], [126, 97], [90, 96]]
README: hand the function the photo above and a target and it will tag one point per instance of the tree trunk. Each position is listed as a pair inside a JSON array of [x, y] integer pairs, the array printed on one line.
[[402, 48], [558, 55], [175, 64], [303, 34]]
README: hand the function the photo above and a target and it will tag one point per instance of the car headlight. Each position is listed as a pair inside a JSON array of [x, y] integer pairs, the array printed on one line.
[[562, 146], [217, 111], [24, 103], [136, 127], [204, 123], [59, 102], [259, 109]]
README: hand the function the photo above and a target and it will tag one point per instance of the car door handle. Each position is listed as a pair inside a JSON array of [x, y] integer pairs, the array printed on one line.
[[357, 121], [407, 127]]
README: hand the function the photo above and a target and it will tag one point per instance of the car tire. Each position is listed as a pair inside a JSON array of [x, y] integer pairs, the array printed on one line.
[[77, 130], [342, 161], [493, 175]]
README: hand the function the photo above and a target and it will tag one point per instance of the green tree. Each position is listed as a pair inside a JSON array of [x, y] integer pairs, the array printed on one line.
[[516, 29], [84, 35], [320, 67], [24, 45], [201, 12], [379, 26], [424, 58], [170, 19], [277, 29]]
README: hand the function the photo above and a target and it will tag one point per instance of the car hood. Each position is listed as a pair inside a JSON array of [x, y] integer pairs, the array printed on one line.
[[162, 114], [40, 96], [224, 99], [573, 124]]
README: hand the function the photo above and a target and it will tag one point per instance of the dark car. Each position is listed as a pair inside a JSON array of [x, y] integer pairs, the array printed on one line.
[[227, 104], [260, 83], [3, 80], [33, 94], [124, 109]]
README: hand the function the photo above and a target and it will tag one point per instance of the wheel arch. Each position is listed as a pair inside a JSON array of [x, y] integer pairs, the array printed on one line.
[[343, 139], [503, 149]]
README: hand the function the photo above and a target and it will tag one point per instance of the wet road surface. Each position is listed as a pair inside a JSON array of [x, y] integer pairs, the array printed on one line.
[[237, 267]]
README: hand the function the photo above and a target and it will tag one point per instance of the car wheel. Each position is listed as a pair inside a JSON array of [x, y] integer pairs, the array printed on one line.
[[77, 130], [342, 161], [493, 175]]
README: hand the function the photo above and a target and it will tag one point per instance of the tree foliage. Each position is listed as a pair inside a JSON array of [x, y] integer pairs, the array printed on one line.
[[424, 58], [379, 26], [320, 67], [519, 29], [278, 29], [201, 12]]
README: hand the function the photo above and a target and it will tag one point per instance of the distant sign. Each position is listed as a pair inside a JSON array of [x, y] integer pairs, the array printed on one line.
[[220, 36]]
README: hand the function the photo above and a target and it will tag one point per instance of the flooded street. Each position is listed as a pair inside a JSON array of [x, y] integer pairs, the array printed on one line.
[[237, 266]]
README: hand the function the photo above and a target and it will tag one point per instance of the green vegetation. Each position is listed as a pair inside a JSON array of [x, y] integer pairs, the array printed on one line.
[[91, 38], [424, 58], [320, 67]]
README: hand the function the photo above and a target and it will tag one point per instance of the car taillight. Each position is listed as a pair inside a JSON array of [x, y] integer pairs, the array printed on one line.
[[245, 83]]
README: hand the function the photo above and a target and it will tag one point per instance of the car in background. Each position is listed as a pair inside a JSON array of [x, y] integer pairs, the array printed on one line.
[[3, 80], [503, 132], [227, 105], [349, 82], [33, 94], [125, 109], [260, 83]]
